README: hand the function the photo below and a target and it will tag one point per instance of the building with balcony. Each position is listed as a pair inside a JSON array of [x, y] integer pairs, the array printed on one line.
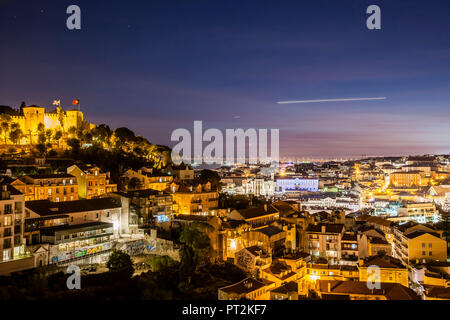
[[349, 249], [325, 241], [151, 206], [13, 253], [417, 242], [43, 214], [89, 242]]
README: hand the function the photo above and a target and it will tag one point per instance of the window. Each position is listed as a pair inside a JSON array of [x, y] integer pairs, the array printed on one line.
[[6, 255], [430, 253], [8, 221], [424, 253], [423, 244], [8, 209], [430, 245]]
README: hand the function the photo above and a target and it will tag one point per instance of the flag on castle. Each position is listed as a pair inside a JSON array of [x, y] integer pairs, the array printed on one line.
[[76, 102], [57, 102]]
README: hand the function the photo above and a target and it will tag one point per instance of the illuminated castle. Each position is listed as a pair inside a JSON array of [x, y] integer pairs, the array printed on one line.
[[30, 117]]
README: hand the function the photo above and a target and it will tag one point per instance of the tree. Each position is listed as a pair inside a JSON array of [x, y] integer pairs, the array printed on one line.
[[158, 264], [124, 134], [72, 130], [197, 249], [15, 135], [41, 148], [48, 135], [101, 134], [119, 261], [57, 136], [5, 121], [74, 145], [41, 128], [61, 114]]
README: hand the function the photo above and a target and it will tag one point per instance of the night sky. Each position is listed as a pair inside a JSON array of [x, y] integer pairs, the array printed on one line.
[[158, 65]]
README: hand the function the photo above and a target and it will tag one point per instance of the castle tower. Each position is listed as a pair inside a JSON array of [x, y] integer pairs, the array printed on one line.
[[33, 116]]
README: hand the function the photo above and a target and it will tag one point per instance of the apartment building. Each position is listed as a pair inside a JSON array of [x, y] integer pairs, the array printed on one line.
[[416, 242], [52, 187], [325, 241], [349, 249], [421, 212], [146, 179], [194, 199], [385, 269], [74, 231], [11, 223], [152, 206], [92, 182]]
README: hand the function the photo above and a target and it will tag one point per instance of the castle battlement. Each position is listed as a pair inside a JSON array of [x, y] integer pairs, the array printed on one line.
[[59, 120]]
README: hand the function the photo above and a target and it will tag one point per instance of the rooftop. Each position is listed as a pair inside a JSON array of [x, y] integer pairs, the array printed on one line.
[[48, 208]]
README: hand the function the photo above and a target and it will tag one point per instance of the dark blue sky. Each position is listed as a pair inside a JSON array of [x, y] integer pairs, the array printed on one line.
[[158, 65]]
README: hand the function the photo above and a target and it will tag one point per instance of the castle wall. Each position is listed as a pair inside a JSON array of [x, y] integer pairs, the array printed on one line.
[[33, 116]]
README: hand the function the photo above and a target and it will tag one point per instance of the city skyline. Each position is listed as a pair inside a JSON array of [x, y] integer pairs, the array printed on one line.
[[155, 67]]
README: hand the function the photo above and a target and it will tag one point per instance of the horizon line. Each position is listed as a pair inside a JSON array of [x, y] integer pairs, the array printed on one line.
[[330, 100]]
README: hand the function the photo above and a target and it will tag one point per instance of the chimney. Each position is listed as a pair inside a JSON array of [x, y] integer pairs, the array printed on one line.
[[265, 207], [323, 229]]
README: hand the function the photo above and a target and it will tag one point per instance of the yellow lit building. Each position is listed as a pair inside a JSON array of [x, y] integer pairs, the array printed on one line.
[[92, 183], [406, 179], [248, 288], [199, 199], [417, 242], [147, 179], [390, 270], [54, 187]]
